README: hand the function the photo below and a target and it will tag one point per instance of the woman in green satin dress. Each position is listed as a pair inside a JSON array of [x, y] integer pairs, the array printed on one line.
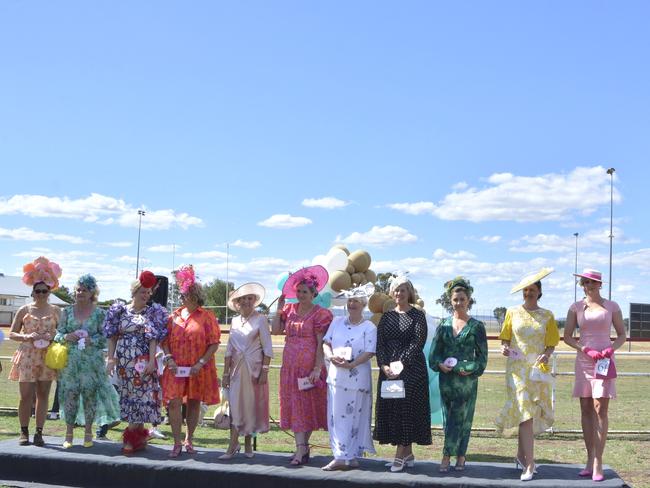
[[459, 353]]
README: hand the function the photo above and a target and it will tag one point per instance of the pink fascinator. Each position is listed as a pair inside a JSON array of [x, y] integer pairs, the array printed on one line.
[[185, 278], [42, 270]]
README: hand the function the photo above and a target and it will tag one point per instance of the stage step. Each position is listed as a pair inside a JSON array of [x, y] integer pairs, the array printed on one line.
[[104, 466]]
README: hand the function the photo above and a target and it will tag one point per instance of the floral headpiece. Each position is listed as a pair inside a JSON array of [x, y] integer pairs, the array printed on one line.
[[309, 280], [42, 270], [88, 281], [458, 281], [395, 281], [185, 278], [363, 291], [148, 279]]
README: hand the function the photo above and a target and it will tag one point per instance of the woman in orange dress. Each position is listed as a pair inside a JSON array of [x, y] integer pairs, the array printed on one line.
[[192, 340], [34, 326]]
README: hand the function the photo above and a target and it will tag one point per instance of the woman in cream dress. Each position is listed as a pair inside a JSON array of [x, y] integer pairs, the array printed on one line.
[[246, 369]]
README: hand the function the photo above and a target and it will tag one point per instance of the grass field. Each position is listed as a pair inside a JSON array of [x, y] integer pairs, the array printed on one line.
[[628, 454]]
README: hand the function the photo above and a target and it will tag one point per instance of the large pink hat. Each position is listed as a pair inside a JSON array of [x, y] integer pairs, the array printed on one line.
[[590, 274], [313, 276]]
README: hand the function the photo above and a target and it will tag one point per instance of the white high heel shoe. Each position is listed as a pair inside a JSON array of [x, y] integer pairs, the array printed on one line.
[[520, 465], [527, 475], [399, 464]]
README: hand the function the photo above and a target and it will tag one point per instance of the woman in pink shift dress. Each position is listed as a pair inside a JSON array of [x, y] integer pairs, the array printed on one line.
[[594, 316], [305, 324]]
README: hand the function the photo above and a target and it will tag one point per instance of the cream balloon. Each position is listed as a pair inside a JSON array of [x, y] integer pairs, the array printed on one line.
[[389, 305], [342, 248], [340, 280], [376, 302], [360, 260], [335, 260], [376, 317], [371, 276]]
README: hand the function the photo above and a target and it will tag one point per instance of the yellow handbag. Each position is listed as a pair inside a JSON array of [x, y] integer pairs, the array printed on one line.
[[56, 356]]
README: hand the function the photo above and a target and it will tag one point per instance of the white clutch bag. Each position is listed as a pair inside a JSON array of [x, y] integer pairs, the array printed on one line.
[[392, 389]]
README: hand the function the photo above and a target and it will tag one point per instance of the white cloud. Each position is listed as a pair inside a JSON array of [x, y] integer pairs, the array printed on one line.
[[543, 243], [561, 244], [26, 234], [119, 244], [461, 185], [284, 221], [417, 208], [325, 202], [246, 244], [205, 255], [549, 197], [131, 260], [441, 253], [624, 288], [387, 235], [96, 208], [163, 248], [491, 239]]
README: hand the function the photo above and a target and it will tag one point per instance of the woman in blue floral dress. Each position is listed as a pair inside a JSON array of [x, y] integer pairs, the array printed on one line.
[[134, 330], [84, 389]]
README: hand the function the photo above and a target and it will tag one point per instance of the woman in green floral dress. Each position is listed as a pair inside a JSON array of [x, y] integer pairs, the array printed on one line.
[[459, 354], [84, 388]]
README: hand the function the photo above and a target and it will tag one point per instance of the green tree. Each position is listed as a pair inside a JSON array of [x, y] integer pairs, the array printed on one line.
[[445, 301], [215, 296], [500, 314], [63, 292], [382, 285]]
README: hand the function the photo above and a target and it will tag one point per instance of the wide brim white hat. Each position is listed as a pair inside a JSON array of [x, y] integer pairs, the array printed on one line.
[[531, 278], [251, 288]]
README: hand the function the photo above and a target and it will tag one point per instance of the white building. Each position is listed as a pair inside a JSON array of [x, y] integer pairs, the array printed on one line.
[[14, 294]]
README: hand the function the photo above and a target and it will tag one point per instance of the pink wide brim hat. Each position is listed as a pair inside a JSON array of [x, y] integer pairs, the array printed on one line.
[[316, 274], [590, 274]]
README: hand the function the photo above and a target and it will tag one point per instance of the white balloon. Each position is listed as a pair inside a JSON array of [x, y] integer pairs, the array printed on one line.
[[320, 259], [335, 260]]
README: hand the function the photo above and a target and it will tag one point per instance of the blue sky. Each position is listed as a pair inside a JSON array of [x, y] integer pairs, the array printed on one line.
[[450, 138]]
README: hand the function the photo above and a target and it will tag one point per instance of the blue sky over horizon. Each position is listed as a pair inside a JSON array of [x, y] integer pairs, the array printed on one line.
[[444, 139]]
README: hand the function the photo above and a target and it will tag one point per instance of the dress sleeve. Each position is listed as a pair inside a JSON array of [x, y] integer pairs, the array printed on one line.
[[382, 357], [112, 320], [61, 326], [213, 332], [416, 345], [330, 332], [506, 328], [370, 338], [322, 320], [437, 349], [265, 337], [98, 341], [156, 329], [480, 349], [552, 337]]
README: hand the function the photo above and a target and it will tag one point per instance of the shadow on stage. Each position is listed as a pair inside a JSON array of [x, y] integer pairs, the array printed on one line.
[[104, 466]]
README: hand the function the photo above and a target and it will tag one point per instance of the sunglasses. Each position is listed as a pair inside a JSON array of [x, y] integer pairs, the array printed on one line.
[[41, 292]]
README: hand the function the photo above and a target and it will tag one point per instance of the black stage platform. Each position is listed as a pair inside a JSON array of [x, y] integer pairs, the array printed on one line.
[[104, 466]]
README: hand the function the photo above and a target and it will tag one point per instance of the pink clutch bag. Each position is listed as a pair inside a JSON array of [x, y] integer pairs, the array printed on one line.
[[605, 369]]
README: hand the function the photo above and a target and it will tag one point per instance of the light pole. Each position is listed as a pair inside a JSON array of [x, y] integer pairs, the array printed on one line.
[[610, 172], [575, 282], [137, 260]]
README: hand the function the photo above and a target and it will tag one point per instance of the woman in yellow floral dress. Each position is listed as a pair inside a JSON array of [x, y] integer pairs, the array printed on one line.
[[528, 338]]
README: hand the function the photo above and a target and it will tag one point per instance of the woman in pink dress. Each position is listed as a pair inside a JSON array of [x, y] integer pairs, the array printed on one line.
[[246, 368], [303, 409], [34, 326], [594, 316]]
